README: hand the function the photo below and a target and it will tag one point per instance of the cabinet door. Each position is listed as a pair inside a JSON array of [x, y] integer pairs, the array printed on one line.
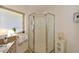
[[40, 33]]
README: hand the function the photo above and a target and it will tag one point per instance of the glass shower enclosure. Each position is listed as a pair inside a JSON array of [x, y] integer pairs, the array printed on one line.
[[41, 32]]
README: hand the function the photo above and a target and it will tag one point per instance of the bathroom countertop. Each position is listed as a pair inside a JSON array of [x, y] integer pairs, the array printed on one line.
[[5, 48]]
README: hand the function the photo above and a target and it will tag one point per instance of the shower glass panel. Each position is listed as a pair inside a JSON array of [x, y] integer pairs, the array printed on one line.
[[50, 32], [31, 31]]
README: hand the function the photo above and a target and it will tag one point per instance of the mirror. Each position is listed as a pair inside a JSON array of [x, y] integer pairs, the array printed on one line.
[[11, 20]]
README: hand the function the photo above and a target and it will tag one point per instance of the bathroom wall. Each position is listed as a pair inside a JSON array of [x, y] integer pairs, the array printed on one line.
[[64, 23]]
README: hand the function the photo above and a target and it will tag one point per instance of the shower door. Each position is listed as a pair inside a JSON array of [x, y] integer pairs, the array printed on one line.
[[40, 33]]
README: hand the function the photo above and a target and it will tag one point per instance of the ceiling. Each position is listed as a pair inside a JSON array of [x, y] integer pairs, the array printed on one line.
[[33, 7]]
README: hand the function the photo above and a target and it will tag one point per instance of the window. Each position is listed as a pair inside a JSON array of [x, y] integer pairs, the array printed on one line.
[[11, 19]]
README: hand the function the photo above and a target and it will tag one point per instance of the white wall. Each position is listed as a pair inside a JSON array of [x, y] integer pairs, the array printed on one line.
[[64, 23]]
